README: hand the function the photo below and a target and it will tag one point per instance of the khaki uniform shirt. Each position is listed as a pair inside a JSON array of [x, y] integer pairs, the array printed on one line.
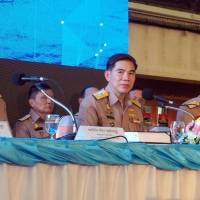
[[192, 106], [30, 126], [3, 112], [108, 111]]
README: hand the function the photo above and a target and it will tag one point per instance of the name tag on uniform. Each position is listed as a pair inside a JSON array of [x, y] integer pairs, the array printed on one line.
[[99, 133], [5, 129]]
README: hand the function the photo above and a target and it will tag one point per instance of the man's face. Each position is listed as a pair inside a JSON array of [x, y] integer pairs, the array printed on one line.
[[122, 77], [41, 104]]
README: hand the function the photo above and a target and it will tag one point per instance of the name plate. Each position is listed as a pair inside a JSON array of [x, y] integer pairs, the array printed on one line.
[[99, 133], [5, 129], [148, 137], [132, 136]]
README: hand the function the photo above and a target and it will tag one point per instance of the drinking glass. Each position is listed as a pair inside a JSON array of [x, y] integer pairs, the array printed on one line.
[[177, 131], [51, 124]]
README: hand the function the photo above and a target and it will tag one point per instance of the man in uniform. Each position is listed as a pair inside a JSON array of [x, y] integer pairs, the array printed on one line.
[[113, 106], [87, 91], [3, 112], [5, 127], [32, 125], [193, 107], [66, 124], [137, 95]]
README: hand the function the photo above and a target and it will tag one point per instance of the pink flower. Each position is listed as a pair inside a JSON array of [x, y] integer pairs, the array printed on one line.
[[196, 128]]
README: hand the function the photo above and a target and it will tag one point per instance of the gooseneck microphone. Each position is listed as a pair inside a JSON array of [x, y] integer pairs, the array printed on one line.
[[61, 105], [21, 79], [186, 112], [147, 94]]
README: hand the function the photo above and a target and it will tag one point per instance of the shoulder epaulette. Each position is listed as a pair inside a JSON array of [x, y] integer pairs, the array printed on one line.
[[25, 117], [137, 103], [192, 104], [101, 94]]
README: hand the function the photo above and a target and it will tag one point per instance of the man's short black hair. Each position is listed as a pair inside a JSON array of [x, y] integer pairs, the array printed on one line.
[[117, 57], [82, 93], [34, 89]]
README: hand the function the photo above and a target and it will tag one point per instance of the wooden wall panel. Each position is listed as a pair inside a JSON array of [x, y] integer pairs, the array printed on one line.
[[165, 52]]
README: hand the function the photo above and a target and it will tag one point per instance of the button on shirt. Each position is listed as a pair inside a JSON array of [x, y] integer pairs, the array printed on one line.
[[30, 126], [108, 111]]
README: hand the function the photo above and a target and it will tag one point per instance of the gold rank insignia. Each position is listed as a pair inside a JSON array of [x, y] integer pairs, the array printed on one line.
[[109, 112], [198, 119], [37, 126], [25, 117], [192, 104], [110, 115], [132, 116], [101, 94], [137, 103]]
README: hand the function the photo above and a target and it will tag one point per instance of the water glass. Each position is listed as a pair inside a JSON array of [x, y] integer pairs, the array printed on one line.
[[51, 124], [177, 131]]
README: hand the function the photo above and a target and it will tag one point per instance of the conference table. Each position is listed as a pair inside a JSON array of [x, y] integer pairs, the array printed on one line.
[[36, 169]]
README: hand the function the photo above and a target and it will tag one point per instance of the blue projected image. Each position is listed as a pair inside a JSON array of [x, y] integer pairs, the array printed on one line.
[[76, 33]]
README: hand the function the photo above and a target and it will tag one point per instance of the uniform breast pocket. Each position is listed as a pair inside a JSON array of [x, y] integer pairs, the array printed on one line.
[[135, 125]]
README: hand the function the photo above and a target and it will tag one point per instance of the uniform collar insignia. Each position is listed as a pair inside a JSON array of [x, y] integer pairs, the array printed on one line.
[[37, 127], [192, 104]]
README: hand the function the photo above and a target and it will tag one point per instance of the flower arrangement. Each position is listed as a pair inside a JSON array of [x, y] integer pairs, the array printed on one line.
[[191, 134]]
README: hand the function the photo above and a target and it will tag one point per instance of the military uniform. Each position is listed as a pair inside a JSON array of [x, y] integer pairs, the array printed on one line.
[[3, 113], [30, 126], [104, 109], [192, 106]]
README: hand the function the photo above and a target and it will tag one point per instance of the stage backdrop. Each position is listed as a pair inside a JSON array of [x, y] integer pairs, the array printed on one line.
[[76, 33]]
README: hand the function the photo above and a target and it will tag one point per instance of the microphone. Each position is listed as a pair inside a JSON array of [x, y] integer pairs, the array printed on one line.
[[186, 112], [147, 94], [21, 79], [61, 105]]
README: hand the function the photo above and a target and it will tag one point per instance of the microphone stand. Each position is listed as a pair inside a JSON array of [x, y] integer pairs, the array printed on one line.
[[61, 105], [188, 113]]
